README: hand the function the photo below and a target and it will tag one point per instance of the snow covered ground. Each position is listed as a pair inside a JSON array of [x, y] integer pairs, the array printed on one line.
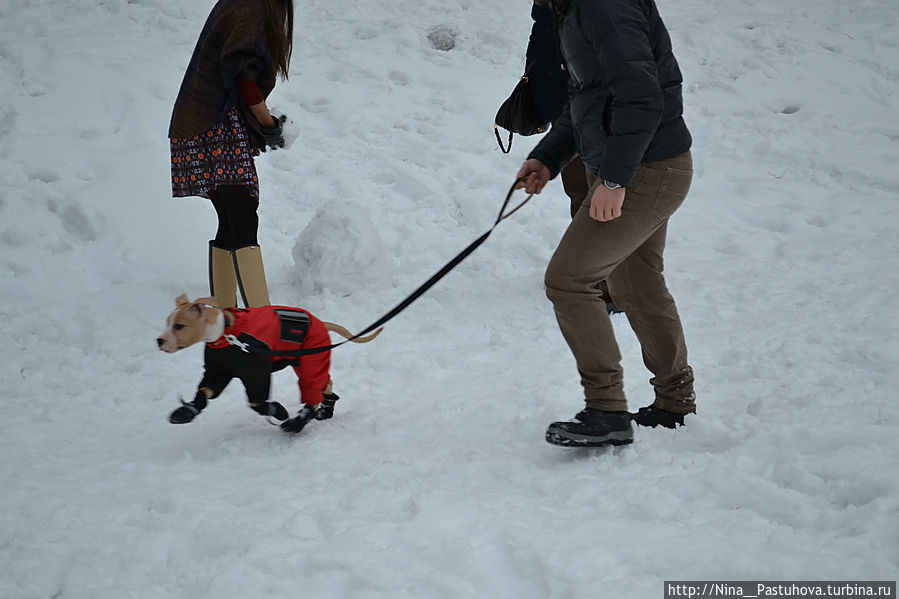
[[434, 480]]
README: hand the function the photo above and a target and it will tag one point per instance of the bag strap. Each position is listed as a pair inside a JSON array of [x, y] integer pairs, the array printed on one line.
[[500, 141], [503, 215]]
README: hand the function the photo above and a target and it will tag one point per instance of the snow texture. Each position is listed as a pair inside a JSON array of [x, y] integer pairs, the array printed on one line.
[[433, 479]]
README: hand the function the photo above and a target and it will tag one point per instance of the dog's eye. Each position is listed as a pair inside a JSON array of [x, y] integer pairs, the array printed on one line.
[[178, 327]]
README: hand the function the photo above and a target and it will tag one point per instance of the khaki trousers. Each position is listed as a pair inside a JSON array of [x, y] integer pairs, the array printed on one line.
[[627, 253]]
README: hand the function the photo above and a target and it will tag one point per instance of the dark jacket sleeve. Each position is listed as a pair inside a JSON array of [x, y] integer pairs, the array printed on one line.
[[557, 148], [245, 54], [619, 32], [547, 78]]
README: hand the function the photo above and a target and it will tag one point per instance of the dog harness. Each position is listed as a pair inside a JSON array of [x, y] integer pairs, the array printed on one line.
[[244, 352]]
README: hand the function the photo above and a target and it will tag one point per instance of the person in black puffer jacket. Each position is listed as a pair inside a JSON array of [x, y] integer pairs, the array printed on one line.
[[549, 89], [624, 119]]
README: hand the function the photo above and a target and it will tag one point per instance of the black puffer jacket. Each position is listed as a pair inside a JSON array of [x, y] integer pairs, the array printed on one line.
[[626, 105]]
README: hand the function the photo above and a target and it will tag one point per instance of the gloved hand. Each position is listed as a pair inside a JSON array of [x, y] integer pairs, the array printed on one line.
[[274, 136]]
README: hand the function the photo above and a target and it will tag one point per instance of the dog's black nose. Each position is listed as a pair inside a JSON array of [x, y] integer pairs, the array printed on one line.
[[160, 341]]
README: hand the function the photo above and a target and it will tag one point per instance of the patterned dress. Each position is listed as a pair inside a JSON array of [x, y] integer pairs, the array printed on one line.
[[221, 155]]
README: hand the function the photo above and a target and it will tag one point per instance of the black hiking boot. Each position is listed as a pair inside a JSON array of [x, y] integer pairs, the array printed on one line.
[[594, 428], [652, 416]]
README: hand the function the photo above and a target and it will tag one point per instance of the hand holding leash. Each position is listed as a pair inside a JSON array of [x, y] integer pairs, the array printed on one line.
[[532, 176]]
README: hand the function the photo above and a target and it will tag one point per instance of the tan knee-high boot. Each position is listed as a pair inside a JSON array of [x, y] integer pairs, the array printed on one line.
[[222, 280], [251, 276]]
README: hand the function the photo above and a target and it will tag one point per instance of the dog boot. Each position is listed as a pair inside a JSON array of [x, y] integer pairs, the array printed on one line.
[[188, 410], [251, 276], [222, 279], [327, 406], [303, 417], [606, 296], [271, 408]]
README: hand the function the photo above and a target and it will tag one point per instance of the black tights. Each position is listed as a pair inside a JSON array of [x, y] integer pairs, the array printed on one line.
[[238, 220]]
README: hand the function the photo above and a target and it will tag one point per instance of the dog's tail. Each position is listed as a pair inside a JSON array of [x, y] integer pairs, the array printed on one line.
[[348, 335]]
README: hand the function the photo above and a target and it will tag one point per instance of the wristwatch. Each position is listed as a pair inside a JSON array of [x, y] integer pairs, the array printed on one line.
[[610, 185]]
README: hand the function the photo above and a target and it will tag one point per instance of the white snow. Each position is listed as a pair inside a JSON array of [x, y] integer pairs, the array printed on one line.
[[433, 480]]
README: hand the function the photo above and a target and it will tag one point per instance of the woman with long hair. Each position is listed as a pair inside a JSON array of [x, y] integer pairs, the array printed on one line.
[[220, 122]]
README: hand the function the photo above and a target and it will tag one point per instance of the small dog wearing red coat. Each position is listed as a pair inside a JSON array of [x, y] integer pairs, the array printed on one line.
[[250, 344]]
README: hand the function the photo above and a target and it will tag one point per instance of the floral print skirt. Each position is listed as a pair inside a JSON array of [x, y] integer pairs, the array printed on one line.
[[220, 155]]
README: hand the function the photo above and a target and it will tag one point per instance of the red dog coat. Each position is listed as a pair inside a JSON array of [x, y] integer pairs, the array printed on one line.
[[268, 329]]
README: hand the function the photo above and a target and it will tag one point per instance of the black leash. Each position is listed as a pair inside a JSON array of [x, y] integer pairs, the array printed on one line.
[[503, 215]]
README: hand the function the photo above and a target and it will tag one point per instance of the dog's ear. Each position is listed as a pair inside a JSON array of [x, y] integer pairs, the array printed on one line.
[[197, 309], [181, 300], [209, 301]]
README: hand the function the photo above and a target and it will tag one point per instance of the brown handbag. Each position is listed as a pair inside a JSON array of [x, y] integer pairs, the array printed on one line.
[[518, 114]]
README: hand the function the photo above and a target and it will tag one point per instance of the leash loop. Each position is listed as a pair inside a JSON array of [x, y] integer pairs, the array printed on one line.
[[503, 215]]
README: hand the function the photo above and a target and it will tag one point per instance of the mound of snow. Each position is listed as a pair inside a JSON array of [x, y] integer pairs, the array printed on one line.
[[339, 250]]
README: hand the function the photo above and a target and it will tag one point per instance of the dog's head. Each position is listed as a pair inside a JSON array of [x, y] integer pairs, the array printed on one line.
[[191, 322]]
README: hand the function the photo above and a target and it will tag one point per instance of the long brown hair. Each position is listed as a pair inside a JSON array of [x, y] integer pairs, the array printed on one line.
[[280, 33]]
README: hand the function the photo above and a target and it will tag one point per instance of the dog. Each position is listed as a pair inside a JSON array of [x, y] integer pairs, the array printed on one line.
[[250, 344]]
